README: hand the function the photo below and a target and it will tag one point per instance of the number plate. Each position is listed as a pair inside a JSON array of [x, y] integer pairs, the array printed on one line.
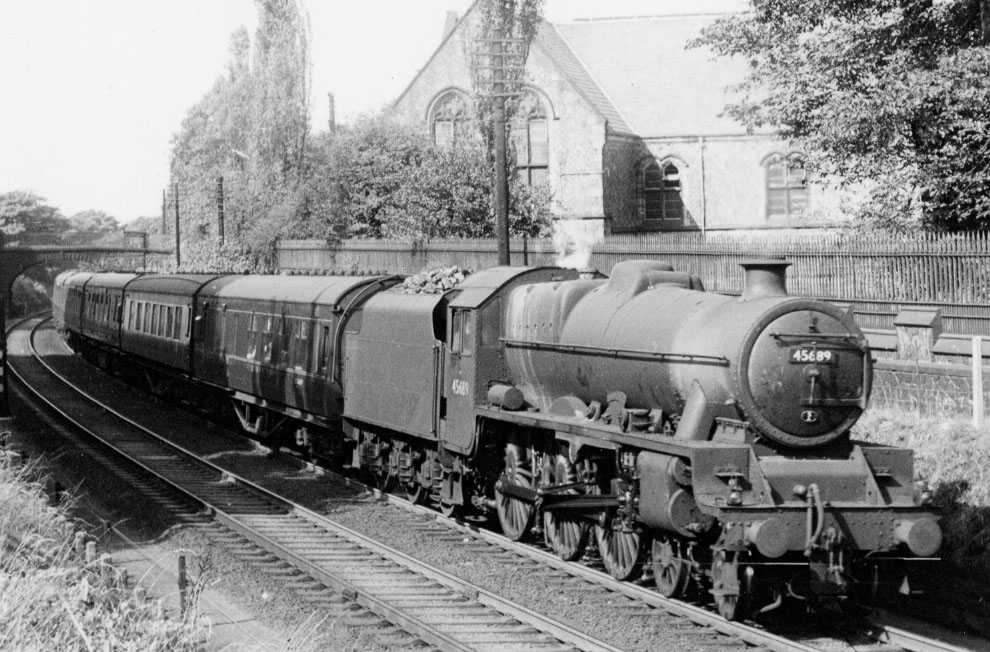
[[810, 355]]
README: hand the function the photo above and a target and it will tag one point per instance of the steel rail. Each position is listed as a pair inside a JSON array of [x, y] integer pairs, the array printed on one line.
[[753, 636], [890, 629], [396, 615]]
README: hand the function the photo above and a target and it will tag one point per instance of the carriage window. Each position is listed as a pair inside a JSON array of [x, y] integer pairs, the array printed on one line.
[[137, 315], [284, 339], [324, 350], [302, 344], [252, 337], [168, 321], [179, 311], [146, 323], [268, 336]]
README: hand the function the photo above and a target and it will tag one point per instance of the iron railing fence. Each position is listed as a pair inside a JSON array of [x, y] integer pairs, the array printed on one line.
[[877, 274]]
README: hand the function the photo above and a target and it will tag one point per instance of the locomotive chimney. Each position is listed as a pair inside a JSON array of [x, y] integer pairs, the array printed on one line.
[[766, 277]]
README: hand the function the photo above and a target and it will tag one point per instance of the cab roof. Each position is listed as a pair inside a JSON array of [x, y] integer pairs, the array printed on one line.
[[477, 288]]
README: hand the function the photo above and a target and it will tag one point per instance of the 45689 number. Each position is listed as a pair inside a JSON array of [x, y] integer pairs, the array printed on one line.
[[810, 355]]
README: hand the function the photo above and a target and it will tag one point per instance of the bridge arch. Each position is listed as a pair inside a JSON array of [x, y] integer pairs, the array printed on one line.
[[17, 261]]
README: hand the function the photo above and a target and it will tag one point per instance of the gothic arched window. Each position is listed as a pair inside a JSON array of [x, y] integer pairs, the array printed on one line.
[[659, 188], [450, 119], [531, 137]]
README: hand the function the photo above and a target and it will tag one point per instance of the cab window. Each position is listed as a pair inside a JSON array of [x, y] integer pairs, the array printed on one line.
[[462, 333], [491, 323]]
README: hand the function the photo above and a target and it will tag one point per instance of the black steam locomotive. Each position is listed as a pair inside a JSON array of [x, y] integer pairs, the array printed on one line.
[[702, 434]]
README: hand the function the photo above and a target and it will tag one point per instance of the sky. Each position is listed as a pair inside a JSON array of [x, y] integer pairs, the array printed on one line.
[[93, 90]]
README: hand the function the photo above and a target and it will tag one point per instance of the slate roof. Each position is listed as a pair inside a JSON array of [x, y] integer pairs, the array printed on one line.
[[638, 75], [549, 39], [647, 76]]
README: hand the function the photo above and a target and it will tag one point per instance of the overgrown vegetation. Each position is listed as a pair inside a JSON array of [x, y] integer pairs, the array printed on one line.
[[892, 95], [52, 599], [376, 178], [955, 459]]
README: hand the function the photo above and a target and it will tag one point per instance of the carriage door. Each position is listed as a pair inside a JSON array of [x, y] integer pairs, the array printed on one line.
[[460, 391]]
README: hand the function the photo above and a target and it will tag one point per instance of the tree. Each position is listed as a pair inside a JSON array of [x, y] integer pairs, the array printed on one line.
[[250, 128], [90, 226], [893, 95], [380, 178], [24, 211]]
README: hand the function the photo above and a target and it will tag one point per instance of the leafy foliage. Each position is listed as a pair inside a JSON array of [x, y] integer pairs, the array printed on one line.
[[381, 179], [505, 31], [250, 129], [22, 211], [91, 226], [893, 94], [376, 179]]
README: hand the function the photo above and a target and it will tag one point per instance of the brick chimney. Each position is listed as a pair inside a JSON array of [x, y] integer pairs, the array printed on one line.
[[449, 24]]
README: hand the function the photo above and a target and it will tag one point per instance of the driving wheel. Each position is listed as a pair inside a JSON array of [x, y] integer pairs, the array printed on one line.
[[515, 515], [565, 533]]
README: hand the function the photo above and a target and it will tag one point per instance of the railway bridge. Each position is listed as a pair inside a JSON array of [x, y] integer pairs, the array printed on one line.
[[43, 261]]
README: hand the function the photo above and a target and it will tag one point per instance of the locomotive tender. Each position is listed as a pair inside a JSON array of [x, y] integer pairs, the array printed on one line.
[[706, 435]]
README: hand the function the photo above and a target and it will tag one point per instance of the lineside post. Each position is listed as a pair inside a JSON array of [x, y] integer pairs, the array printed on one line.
[[977, 382], [4, 403]]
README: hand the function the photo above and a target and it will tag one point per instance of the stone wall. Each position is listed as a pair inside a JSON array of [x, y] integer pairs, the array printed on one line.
[[925, 388], [920, 369]]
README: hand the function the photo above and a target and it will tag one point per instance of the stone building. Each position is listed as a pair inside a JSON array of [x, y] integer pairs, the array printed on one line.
[[623, 121]]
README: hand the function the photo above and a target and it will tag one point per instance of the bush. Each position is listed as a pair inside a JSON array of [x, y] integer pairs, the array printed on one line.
[[955, 459], [52, 600]]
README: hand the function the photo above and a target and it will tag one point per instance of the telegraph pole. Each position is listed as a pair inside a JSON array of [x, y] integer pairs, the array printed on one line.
[[496, 82], [220, 208], [178, 255], [498, 63]]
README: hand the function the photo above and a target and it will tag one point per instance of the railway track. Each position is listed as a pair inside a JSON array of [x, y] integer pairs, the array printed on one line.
[[434, 607], [315, 553]]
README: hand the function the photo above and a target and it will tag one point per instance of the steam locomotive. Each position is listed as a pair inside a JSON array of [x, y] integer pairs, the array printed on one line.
[[703, 437]]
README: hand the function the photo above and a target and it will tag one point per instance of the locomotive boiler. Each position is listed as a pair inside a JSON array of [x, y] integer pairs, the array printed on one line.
[[698, 437]]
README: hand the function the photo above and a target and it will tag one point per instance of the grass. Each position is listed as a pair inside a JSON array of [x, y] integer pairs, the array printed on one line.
[[51, 597], [954, 458]]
